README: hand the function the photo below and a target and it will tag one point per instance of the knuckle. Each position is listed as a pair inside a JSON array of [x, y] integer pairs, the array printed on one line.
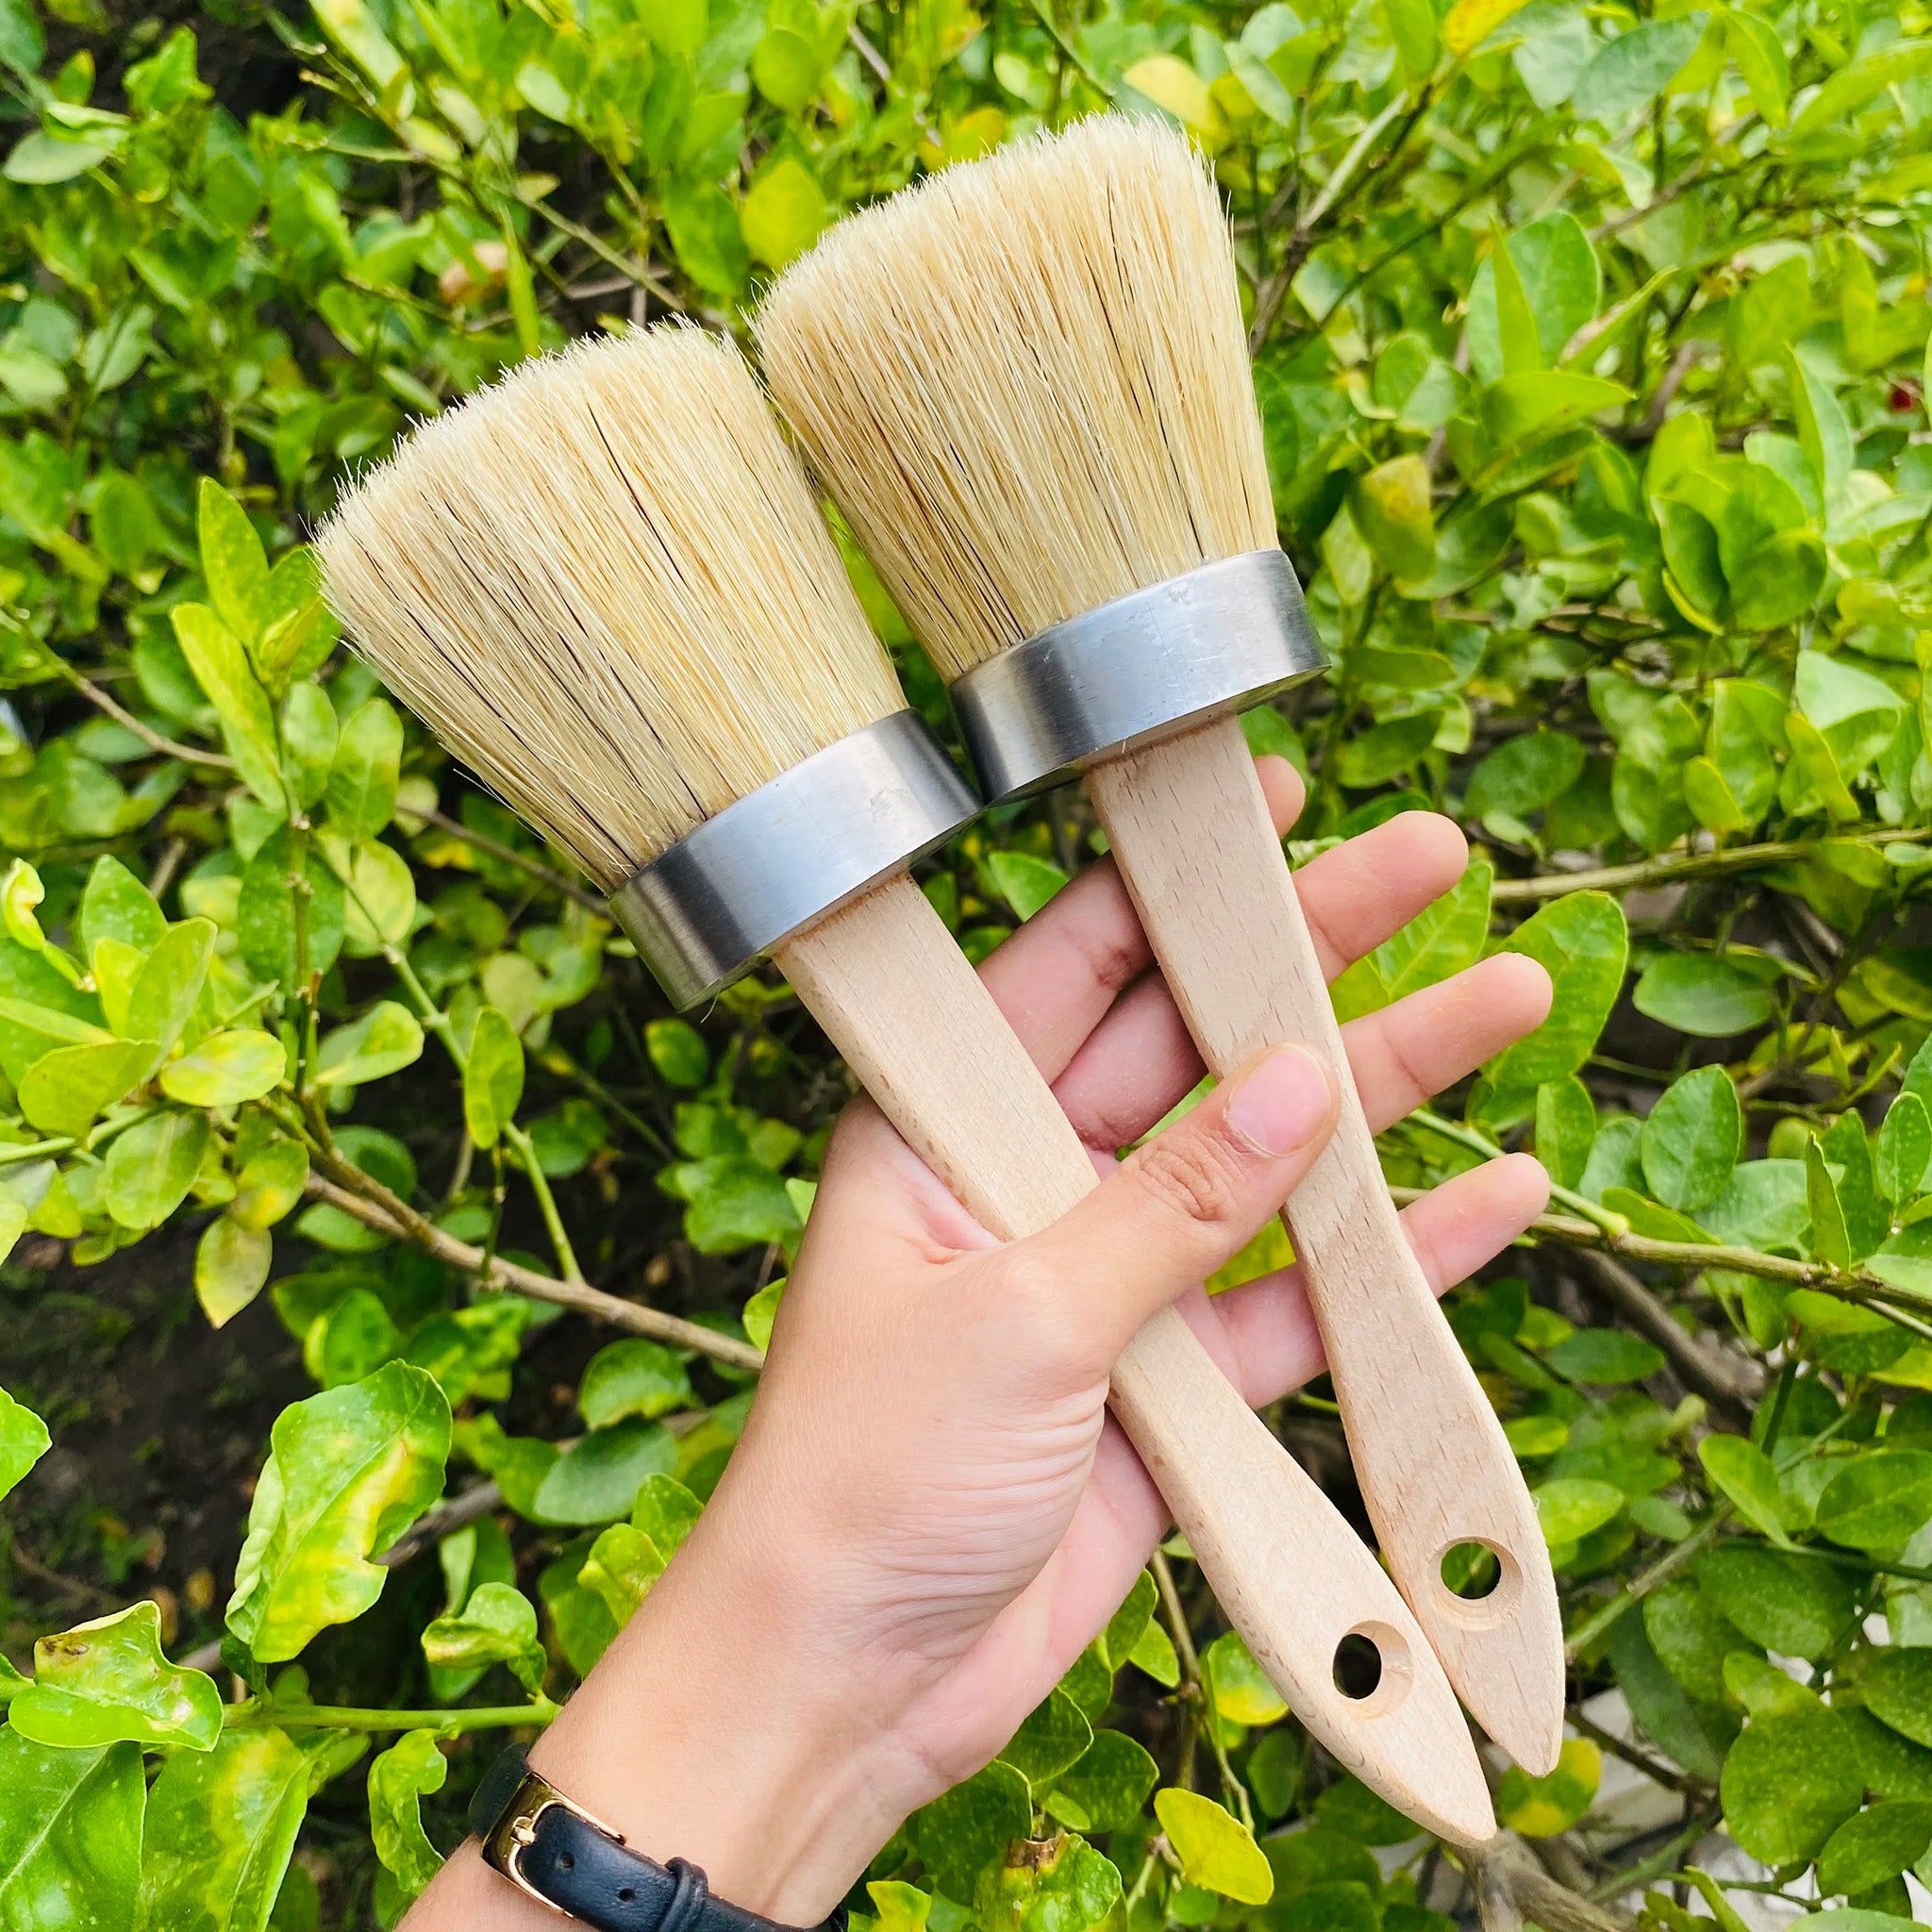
[[1195, 1178]]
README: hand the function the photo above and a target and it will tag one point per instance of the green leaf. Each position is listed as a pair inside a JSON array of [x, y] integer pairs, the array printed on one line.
[[151, 1167], [69, 1837], [221, 667], [666, 1512], [1606, 1356], [270, 1183], [492, 1078], [635, 1376], [220, 1832], [1702, 995], [399, 1779], [1859, 81], [309, 737], [1753, 42], [385, 1039], [1636, 67], [1905, 1149], [1543, 1806], [225, 1069], [1470, 22], [233, 562], [116, 904], [1877, 1845], [107, 1682], [348, 1471], [1687, 1733], [784, 210], [1746, 1474], [596, 1479], [360, 796], [1581, 941], [498, 1624], [1110, 1782], [168, 986], [22, 46], [1525, 773], [232, 1264], [1879, 1500], [1897, 1689], [1238, 1685], [1025, 882], [1565, 1129], [1569, 1507], [1349, 1807], [267, 911], [64, 1090], [624, 1563], [1128, 1624], [970, 1827], [378, 900], [1548, 279], [1823, 430], [1045, 1887], [1053, 1739], [1392, 508], [1528, 407], [1789, 1783], [678, 1052], [24, 1440], [1692, 1139], [703, 229], [1790, 1603], [1216, 1850]]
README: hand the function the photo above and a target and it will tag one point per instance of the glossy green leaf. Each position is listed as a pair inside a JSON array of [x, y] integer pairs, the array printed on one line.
[[360, 796], [622, 1566], [678, 1052], [232, 561], [1025, 883], [1790, 1603], [221, 667], [492, 1078], [378, 900], [597, 1477], [1108, 1782], [224, 1069], [634, 1377], [498, 1624], [348, 1472], [385, 1039], [69, 1837], [1746, 1474], [309, 736], [151, 1167], [221, 1828], [1879, 1500], [1042, 1887], [1789, 1783], [269, 926], [24, 1440], [958, 1833], [1392, 508], [1692, 1139], [115, 904], [105, 1682], [1707, 996], [1581, 941], [1877, 1845], [1053, 1737], [1569, 1507], [1905, 1148], [64, 1090], [399, 1779], [1897, 1689]]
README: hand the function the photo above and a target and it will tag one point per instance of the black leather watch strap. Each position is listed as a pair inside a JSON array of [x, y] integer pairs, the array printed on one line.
[[556, 1852]]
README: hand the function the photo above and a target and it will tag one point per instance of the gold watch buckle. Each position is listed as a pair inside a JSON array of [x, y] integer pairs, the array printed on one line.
[[516, 1831]]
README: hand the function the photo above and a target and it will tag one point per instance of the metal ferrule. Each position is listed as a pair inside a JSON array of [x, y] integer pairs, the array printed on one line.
[[1213, 640], [814, 837]]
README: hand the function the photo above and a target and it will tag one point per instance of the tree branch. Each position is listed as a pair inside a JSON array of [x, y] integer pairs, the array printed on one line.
[[1674, 866], [498, 1273], [509, 856], [188, 754], [1703, 1366]]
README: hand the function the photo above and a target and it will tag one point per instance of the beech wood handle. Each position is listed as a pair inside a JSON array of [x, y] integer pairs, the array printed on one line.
[[1190, 830], [901, 1003]]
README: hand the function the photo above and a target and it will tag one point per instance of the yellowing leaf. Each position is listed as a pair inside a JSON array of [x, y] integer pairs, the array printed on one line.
[[1170, 83], [1543, 1806], [1217, 1851], [1471, 22]]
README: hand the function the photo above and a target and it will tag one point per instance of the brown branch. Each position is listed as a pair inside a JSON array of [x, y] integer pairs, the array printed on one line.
[[188, 754], [509, 856], [495, 1272], [1638, 1759], [1703, 1366], [1513, 1890], [1688, 865]]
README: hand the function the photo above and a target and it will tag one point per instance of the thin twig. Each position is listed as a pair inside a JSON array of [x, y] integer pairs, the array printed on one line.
[[1702, 1365], [188, 754], [1655, 1769], [1685, 865], [1604, 1621], [495, 1272], [509, 856]]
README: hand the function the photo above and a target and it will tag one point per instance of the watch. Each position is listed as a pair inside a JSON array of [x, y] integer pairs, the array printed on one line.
[[554, 1851]]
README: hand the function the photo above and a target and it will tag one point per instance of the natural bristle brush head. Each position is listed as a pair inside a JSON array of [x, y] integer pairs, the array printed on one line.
[[1026, 383], [606, 583]]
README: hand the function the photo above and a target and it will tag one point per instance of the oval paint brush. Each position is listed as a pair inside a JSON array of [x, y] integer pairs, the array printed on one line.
[[1025, 382], [606, 584]]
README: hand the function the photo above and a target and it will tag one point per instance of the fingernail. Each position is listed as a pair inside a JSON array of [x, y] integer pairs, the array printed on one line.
[[1282, 1103]]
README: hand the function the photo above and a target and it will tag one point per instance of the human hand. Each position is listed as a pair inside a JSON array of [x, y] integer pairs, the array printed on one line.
[[930, 1514]]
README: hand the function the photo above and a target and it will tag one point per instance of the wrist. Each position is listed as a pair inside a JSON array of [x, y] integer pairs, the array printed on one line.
[[719, 1729]]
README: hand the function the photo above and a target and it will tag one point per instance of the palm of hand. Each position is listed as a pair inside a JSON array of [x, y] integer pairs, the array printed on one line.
[[933, 1419]]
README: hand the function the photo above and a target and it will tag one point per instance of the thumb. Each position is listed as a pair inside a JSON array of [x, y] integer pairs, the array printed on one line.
[[1183, 1203]]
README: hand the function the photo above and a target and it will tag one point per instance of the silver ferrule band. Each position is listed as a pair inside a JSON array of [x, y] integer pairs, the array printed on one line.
[[1212, 641], [783, 855]]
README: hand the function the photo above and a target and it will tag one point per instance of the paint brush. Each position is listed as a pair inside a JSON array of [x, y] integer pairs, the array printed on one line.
[[606, 584], [1025, 382]]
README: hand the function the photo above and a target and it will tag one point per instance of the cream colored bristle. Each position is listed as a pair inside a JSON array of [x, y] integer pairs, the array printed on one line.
[[606, 584], [1025, 382]]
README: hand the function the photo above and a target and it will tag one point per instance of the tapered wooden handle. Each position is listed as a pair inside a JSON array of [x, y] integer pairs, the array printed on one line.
[[888, 983], [1190, 830]]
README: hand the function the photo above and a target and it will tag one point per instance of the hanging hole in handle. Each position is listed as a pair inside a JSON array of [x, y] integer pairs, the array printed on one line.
[[1372, 1668], [1479, 1583]]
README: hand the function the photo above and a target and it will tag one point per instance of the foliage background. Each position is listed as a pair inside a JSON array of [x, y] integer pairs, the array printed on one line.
[[1590, 339]]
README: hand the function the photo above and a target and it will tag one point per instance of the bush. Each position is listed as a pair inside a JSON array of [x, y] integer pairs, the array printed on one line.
[[1589, 342]]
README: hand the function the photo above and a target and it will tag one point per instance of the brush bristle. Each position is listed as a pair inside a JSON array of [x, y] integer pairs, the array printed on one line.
[[1026, 383], [606, 584]]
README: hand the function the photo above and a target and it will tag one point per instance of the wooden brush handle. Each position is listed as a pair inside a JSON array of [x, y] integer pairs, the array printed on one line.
[[901, 1003], [1190, 831]]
